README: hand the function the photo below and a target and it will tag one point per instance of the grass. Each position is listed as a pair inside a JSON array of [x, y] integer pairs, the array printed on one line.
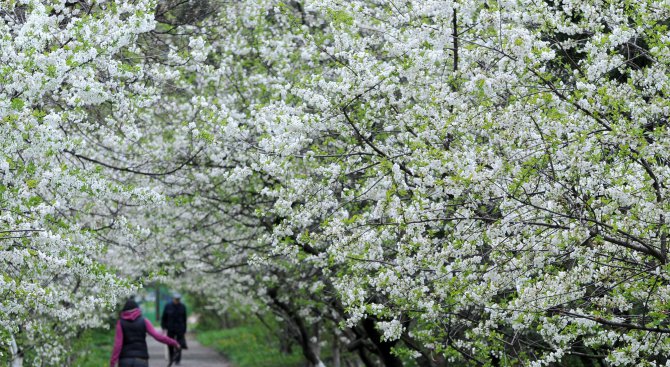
[[250, 346], [94, 348]]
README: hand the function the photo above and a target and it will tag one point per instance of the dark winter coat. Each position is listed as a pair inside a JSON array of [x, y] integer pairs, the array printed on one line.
[[174, 318]]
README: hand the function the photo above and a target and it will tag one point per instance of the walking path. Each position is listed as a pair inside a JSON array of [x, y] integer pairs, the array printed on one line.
[[195, 356]]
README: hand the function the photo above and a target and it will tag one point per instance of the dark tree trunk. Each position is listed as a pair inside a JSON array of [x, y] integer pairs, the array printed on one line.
[[383, 347]]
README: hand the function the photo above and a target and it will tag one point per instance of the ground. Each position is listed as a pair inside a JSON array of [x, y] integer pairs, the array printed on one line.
[[195, 356]]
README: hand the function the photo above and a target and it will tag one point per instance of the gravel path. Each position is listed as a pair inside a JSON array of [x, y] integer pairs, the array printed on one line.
[[195, 356]]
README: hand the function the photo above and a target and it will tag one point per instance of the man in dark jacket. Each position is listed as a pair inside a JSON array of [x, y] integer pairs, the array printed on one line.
[[174, 322]]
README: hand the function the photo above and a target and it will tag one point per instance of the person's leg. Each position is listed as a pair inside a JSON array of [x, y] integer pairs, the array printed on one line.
[[171, 352], [182, 342], [177, 357], [171, 349]]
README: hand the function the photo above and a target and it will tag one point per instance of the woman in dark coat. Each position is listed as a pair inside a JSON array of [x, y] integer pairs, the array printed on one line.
[[130, 345]]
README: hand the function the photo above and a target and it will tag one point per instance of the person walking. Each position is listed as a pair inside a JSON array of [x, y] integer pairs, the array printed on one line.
[[130, 344], [174, 322]]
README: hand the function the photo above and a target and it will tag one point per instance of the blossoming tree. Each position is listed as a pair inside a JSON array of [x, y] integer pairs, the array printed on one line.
[[62, 80]]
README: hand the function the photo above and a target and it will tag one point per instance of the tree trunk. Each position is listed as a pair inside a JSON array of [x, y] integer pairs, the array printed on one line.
[[309, 350], [15, 352], [336, 352], [158, 304], [225, 321], [383, 347], [316, 346]]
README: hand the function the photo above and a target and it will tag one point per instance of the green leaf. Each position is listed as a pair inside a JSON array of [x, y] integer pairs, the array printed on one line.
[[17, 104]]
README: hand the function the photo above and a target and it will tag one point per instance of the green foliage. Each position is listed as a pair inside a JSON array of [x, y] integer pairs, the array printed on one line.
[[93, 348], [341, 17], [17, 103]]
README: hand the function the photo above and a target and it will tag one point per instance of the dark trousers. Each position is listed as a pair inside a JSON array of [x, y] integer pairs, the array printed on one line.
[[133, 362], [175, 355]]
